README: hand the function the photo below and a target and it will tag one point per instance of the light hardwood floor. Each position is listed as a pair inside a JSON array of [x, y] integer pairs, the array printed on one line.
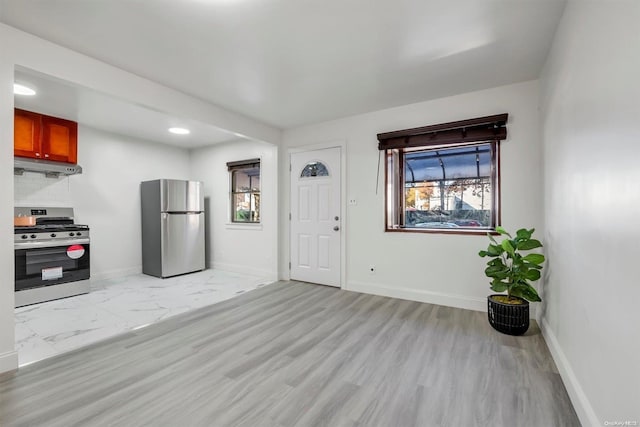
[[296, 354]]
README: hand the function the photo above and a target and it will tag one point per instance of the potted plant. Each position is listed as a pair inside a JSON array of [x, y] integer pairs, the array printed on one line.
[[513, 272]]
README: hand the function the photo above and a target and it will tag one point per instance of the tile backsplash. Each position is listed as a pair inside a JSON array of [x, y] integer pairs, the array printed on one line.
[[35, 189]]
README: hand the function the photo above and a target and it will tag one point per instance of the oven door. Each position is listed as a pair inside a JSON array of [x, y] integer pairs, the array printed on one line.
[[51, 263]]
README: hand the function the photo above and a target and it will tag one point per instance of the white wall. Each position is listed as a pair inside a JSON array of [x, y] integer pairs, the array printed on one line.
[[8, 357], [107, 194], [21, 49], [436, 268], [107, 197], [245, 248], [591, 114]]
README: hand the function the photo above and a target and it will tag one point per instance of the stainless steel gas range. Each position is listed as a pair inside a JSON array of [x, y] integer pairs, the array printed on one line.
[[51, 257]]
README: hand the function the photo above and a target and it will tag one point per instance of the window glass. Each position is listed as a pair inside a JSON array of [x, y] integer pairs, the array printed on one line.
[[314, 169], [246, 179], [245, 193], [246, 207], [447, 187]]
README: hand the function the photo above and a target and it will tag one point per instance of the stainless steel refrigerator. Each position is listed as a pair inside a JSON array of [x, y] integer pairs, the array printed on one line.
[[172, 227]]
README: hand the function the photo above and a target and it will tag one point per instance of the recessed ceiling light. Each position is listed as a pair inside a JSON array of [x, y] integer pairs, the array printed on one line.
[[19, 89], [179, 131]]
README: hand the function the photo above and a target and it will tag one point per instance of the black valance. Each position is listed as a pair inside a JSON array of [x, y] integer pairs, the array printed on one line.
[[490, 128], [241, 164]]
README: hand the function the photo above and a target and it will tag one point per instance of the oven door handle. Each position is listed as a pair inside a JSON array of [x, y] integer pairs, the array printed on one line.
[[49, 243]]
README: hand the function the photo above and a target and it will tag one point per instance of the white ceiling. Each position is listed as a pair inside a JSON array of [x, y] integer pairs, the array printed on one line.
[[294, 62], [58, 98]]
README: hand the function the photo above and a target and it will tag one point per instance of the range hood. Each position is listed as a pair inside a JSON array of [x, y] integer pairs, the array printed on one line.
[[50, 168]]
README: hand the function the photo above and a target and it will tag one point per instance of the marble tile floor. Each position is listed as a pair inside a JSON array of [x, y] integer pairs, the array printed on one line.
[[115, 306]]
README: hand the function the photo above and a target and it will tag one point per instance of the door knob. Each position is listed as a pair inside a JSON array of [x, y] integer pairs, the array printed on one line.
[[336, 228]]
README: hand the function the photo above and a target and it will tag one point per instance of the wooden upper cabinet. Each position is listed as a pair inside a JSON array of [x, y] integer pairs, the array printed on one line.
[[26, 131], [44, 137], [59, 140]]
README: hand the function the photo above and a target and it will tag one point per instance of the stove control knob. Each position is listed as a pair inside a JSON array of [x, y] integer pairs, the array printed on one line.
[[33, 236], [24, 236], [53, 235], [71, 234], [78, 234]]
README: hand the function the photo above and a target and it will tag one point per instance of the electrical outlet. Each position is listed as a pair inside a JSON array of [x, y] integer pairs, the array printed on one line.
[[372, 269], [353, 202]]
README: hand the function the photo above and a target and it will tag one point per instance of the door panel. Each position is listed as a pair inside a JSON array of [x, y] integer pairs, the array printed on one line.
[[324, 202], [315, 216], [324, 248], [304, 203], [305, 251]]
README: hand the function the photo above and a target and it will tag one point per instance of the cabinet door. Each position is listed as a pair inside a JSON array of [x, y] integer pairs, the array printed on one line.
[[26, 134], [59, 140]]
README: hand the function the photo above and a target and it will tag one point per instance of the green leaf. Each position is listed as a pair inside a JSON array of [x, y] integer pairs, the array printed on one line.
[[490, 271], [531, 294], [497, 272], [494, 250], [534, 258], [501, 230], [530, 266], [525, 291], [507, 246], [508, 268], [524, 234], [498, 286], [533, 275], [496, 261], [525, 245], [501, 275]]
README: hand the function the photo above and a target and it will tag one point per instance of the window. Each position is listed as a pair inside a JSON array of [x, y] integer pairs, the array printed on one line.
[[444, 178], [245, 190], [314, 169]]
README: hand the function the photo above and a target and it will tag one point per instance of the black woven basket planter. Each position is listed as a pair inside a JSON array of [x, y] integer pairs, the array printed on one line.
[[508, 318]]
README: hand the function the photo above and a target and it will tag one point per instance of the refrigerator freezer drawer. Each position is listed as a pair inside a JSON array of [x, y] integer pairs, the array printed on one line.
[[182, 241]]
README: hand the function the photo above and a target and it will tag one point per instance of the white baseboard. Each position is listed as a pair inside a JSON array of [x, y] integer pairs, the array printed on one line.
[[581, 403], [235, 268], [438, 298], [8, 361], [115, 274], [450, 300]]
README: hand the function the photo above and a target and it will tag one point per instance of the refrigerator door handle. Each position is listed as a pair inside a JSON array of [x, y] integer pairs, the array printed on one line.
[[183, 212]]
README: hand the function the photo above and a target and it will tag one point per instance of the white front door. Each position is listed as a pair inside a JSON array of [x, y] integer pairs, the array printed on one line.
[[316, 221]]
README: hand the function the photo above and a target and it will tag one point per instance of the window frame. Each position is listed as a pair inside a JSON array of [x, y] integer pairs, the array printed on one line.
[[480, 130], [239, 166], [398, 191]]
